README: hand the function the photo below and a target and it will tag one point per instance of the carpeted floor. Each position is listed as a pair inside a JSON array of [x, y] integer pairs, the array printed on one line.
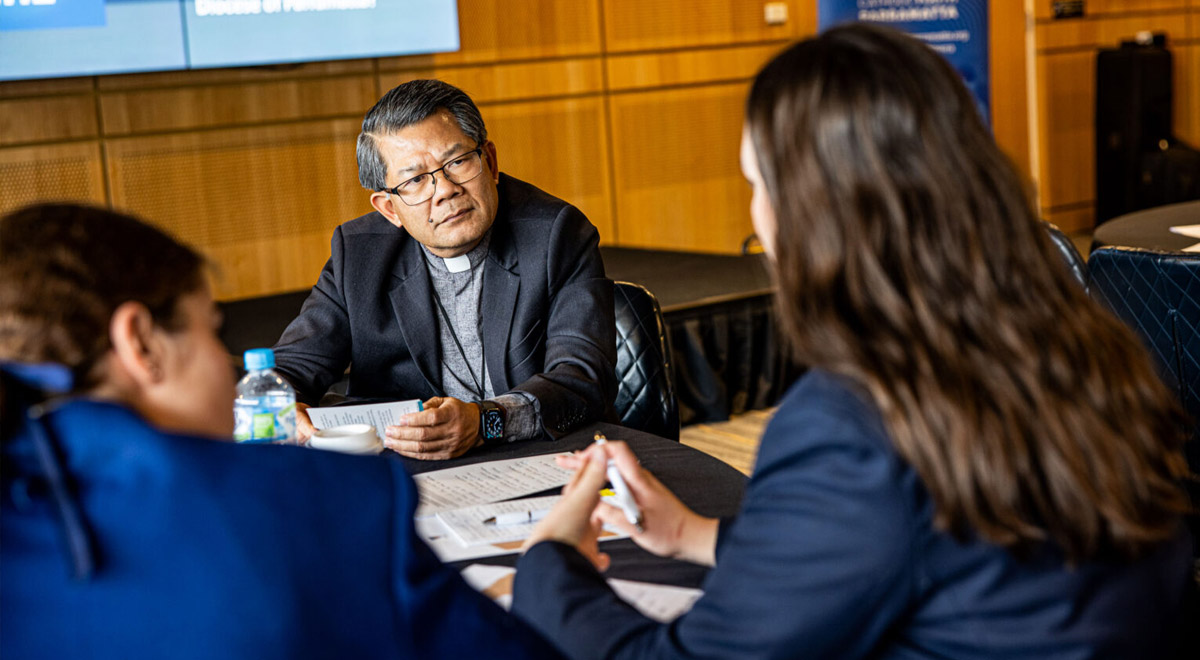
[[734, 441]]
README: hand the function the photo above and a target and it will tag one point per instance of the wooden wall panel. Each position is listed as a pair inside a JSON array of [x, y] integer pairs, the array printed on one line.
[[251, 198], [1108, 31], [11, 88], [47, 119], [1009, 90], [61, 172], [656, 24], [561, 147], [1044, 9], [509, 30], [648, 70], [230, 76], [1067, 95], [1187, 92], [164, 109], [678, 184], [509, 82]]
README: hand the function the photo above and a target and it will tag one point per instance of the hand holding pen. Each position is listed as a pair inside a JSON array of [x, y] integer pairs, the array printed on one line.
[[621, 495], [667, 527]]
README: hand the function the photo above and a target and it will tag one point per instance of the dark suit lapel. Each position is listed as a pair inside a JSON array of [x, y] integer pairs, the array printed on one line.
[[501, 282], [412, 301]]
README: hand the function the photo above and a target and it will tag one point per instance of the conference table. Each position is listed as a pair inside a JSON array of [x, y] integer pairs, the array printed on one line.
[[1150, 229], [706, 484]]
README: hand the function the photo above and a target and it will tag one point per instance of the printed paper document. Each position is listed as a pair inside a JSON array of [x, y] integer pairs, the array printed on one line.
[[379, 415], [483, 483]]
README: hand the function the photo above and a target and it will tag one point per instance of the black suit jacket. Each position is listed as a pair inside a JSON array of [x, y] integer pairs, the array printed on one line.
[[546, 310]]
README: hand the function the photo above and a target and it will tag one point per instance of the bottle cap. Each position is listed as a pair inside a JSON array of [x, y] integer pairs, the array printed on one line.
[[258, 358]]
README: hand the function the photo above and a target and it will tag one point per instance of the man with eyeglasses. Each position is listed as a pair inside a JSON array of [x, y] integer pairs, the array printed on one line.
[[475, 292]]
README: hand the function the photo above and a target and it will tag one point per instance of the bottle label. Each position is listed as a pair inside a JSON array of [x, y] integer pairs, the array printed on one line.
[[270, 419], [264, 426]]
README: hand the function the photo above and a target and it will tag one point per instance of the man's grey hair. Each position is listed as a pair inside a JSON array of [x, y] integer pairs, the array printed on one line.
[[408, 104]]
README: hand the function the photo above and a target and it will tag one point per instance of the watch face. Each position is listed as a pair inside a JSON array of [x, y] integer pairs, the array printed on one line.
[[493, 424]]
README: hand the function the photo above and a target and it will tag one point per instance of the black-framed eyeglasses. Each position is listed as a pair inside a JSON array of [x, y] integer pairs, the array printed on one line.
[[458, 170]]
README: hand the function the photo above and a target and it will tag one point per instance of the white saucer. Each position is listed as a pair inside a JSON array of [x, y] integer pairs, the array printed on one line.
[[352, 439]]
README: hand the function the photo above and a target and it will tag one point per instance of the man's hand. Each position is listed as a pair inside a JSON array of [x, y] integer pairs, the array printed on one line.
[[304, 427], [446, 428]]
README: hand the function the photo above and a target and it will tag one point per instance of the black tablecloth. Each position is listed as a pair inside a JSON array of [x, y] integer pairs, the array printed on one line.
[[707, 485], [1150, 229]]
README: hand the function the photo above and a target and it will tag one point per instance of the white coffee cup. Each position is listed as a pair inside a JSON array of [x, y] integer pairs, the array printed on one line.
[[348, 439]]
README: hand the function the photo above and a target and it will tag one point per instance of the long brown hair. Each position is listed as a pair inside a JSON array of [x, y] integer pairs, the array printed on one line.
[[908, 258], [64, 270]]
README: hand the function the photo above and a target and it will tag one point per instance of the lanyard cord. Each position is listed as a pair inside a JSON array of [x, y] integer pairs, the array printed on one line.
[[83, 562], [450, 326]]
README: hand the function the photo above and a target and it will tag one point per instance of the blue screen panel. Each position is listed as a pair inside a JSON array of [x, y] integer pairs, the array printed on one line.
[[220, 34], [136, 35], [54, 38]]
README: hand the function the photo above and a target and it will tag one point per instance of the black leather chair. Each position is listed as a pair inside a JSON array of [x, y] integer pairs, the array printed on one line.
[[1069, 253], [645, 392], [1158, 295]]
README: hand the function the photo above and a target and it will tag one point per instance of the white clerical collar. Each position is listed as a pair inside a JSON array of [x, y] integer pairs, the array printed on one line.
[[458, 264]]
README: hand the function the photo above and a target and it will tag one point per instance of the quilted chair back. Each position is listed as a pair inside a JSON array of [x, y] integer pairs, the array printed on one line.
[[1070, 255], [1158, 295], [645, 393]]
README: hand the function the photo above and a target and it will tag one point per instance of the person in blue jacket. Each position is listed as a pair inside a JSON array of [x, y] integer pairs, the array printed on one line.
[[130, 527], [980, 462]]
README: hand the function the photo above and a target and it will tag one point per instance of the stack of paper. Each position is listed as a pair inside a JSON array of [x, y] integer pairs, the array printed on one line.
[[468, 525], [483, 483]]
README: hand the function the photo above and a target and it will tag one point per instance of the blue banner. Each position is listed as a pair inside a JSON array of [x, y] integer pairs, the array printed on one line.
[[958, 29], [40, 14]]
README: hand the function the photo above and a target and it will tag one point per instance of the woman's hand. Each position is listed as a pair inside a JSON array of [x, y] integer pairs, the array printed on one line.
[[571, 521], [669, 528]]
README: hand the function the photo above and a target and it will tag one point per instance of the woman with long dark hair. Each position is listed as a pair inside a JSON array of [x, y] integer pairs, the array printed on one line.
[[980, 462]]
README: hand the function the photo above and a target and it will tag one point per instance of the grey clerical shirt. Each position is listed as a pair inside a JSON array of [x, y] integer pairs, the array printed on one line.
[[464, 373]]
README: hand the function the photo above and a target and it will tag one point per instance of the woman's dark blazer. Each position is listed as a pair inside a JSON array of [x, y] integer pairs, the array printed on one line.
[[834, 555]]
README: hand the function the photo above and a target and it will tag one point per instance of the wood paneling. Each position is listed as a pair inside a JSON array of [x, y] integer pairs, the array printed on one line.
[[1108, 31], [507, 82], [47, 119], [646, 70], [1187, 92], [1044, 9], [508, 30], [1079, 218], [206, 106], [252, 198], [561, 147], [657, 24], [1010, 98], [678, 182], [1067, 100], [14, 88], [61, 172], [231, 76]]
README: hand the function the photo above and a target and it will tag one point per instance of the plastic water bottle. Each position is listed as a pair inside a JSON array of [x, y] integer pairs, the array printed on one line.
[[265, 408]]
